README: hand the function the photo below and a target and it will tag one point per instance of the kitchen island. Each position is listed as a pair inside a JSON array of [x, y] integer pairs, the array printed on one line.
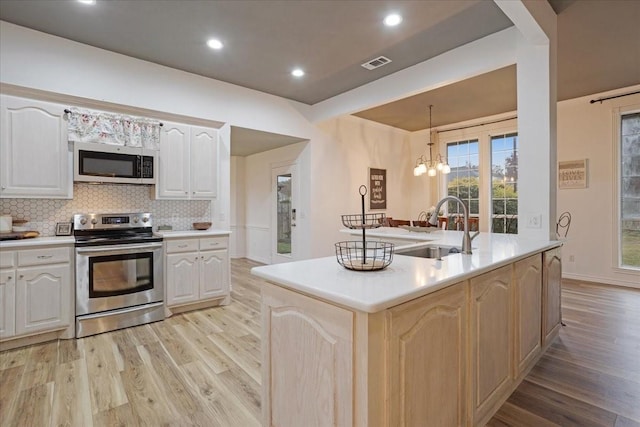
[[423, 342]]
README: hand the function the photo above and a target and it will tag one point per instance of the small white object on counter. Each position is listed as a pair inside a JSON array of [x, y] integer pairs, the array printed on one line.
[[6, 224], [407, 277]]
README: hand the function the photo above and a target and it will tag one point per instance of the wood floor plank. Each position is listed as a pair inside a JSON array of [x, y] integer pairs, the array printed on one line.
[[169, 379], [33, 406], [211, 354], [234, 351], [10, 379], [105, 387], [40, 367], [120, 416], [13, 358], [147, 402], [559, 408], [515, 416], [71, 401]]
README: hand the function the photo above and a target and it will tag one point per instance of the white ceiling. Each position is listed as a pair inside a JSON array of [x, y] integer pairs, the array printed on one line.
[[598, 50]]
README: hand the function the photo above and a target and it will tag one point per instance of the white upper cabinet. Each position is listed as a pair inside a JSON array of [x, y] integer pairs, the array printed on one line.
[[35, 152], [204, 163], [188, 166], [173, 173]]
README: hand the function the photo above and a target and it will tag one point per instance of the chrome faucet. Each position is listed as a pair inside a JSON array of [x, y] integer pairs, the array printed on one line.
[[466, 238]]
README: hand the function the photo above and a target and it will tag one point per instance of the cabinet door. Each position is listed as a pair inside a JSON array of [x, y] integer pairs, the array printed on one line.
[[427, 363], [214, 274], [552, 278], [528, 311], [307, 370], [491, 337], [34, 148], [182, 278], [7, 303], [173, 165], [204, 163], [43, 298]]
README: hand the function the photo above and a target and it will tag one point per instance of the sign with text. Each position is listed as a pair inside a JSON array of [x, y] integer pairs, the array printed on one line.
[[377, 188]]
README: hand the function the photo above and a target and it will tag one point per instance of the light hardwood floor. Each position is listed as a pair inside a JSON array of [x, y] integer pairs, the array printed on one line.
[[203, 368]]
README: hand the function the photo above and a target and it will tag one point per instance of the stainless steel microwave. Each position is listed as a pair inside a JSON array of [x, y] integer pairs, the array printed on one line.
[[94, 162]]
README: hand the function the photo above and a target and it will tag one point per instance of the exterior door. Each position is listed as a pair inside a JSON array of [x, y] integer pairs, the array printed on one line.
[[284, 217]]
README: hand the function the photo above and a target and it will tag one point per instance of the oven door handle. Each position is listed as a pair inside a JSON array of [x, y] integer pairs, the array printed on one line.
[[119, 248]]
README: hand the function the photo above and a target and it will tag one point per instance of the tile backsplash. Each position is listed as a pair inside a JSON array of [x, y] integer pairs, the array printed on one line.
[[43, 214]]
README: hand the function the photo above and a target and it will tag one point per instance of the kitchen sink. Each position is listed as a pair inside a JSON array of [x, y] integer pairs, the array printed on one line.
[[430, 251]]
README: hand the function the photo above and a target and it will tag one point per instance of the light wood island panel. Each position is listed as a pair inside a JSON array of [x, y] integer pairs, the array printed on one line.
[[449, 358]]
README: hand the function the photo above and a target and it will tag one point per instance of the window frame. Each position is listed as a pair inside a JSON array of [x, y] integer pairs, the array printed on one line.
[[617, 187], [482, 132]]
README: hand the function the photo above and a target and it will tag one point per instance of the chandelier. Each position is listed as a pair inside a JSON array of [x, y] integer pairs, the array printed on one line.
[[430, 167]]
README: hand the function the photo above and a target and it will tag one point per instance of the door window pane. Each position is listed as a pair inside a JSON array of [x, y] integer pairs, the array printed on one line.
[[630, 190], [284, 214]]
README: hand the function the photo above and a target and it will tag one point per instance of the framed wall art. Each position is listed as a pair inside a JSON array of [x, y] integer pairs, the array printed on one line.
[[63, 229], [572, 174], [377, 189]]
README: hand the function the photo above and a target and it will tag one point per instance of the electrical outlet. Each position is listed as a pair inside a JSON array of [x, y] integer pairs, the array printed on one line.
[[534, 221], [572, 258]]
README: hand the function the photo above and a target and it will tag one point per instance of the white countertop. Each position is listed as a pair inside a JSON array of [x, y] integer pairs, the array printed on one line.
[[192, 233], [406, 278], [37, 241], [426, 233]]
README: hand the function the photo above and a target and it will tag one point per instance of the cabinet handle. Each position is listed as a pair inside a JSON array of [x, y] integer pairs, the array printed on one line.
[[21, 276], [8, 277], [182, 246], [45, 256]]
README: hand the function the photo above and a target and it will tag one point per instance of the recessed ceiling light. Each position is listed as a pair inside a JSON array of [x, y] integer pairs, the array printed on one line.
[[392, 20], [215, 44], [297, 72], [87, 1]]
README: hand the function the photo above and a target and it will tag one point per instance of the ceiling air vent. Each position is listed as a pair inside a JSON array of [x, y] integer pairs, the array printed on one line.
[[377, 62]]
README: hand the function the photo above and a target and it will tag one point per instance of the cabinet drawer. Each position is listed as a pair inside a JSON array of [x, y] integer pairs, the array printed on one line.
[[43, 256], [190, 245], [213, 243], [7, 259]]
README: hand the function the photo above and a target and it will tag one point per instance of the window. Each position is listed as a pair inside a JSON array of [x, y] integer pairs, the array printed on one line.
[[463, 181], [629, 167], [504, 183]]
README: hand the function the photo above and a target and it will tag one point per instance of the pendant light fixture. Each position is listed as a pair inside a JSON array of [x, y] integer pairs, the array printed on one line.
[[430, 167]]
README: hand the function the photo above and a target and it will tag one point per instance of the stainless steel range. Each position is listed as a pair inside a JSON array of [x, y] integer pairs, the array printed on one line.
[[119, 279]]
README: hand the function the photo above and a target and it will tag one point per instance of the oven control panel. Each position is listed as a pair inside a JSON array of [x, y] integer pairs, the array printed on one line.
[[110, 221]]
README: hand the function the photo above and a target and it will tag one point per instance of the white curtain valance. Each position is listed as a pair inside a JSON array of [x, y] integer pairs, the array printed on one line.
[[115, 129]]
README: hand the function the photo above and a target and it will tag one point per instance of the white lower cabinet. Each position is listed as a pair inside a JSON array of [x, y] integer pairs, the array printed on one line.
[[7, 303], [197, 269], [36, 291]]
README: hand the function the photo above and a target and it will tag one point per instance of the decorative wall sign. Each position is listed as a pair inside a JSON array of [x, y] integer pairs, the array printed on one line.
[[377, 188], [572, 174]]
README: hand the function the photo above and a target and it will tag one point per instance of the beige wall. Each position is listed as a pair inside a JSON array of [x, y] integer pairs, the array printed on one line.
[[587, 131]]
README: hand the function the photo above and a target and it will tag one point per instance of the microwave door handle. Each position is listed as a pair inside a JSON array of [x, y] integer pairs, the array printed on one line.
[[122, 248], [139, 161]]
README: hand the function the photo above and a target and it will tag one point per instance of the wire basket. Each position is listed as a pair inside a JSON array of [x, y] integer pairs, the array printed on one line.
[[371, 220], [354, 256]]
